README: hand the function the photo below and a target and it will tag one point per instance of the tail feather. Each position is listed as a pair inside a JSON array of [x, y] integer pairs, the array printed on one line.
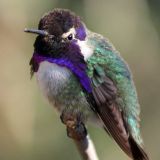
[[116, 129], [138, 152]]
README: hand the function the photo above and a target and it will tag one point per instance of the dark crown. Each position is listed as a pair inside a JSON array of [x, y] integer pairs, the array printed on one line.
[[59, 21]]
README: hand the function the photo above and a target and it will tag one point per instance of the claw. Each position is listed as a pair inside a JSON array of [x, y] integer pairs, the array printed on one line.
[[74, 124], [79, 132]]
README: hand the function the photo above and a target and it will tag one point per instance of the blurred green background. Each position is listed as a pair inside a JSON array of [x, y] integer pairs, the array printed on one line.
[[29, 128]]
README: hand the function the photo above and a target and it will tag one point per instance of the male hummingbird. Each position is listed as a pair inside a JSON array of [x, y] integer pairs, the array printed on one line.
[[84, 76]]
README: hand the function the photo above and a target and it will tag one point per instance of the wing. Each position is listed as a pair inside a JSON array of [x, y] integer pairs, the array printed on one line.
[[114, 98]]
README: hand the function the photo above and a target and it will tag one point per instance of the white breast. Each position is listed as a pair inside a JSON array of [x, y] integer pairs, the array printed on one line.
[[52, 79]]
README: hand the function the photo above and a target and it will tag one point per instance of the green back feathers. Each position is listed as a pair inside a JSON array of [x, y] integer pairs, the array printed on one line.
[[107, 61]]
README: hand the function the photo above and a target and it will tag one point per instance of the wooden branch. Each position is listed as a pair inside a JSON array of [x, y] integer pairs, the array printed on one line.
[[78, 132], [86, 148], [82, 140]]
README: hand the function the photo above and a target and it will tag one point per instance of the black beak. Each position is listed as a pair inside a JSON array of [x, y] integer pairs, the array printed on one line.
[[36, 31]]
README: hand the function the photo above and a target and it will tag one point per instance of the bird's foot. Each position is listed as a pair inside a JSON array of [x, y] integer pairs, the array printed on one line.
[[74, 124]]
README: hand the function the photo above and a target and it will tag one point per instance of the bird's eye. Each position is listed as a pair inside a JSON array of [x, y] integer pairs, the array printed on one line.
[[70, 37]]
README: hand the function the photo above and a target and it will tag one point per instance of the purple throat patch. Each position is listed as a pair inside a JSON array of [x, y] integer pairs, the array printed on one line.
[[78, 70]]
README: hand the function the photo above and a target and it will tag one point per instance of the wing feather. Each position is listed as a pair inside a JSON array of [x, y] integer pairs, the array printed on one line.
[[110, 115], [109, 112], [114, 96]]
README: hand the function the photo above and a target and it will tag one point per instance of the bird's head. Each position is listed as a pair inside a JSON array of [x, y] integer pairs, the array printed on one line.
[[62, 39], [60, 32]]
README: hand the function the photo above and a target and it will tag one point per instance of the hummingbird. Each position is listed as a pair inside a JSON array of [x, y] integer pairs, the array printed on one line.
[[84, 77]]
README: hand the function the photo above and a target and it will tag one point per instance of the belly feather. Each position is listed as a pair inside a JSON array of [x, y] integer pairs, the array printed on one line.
[[52, 79]]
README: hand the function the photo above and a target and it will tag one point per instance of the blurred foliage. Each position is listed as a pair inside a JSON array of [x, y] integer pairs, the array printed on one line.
[[29, 128]]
